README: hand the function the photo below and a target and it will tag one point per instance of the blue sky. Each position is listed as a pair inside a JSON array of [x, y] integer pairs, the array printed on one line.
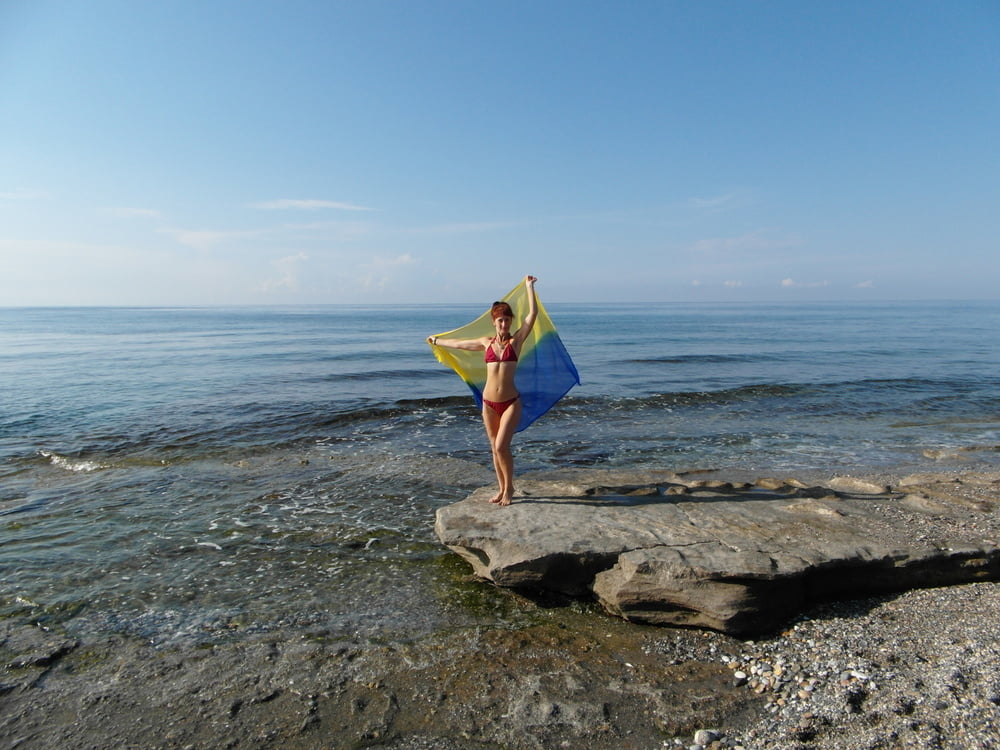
[[197, 152]]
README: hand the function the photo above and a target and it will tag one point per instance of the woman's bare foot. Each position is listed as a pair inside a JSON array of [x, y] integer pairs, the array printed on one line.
[[497, 497], [504, 500]]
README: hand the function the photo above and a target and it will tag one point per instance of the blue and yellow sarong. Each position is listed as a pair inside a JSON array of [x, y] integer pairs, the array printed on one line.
[[545, 373]]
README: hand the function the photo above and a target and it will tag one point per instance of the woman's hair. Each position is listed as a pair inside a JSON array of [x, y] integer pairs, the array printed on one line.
[[501, 309]]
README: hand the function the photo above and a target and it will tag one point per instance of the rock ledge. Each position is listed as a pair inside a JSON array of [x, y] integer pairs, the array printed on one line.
[[741, 558]]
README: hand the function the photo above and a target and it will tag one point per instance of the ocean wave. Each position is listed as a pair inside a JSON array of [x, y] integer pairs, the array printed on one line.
[[725, 395], [849, 397], [219, 431], [71, 464]]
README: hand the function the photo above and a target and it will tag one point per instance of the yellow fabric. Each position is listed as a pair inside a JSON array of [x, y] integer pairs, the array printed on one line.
[[545, 371]]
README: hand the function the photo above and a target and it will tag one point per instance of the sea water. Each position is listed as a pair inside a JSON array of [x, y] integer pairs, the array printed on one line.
[[203, 473]]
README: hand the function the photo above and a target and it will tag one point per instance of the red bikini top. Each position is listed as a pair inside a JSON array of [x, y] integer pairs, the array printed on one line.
[[508, 354]]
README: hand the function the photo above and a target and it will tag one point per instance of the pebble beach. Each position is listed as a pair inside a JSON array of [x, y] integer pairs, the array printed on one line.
[[917, 670]]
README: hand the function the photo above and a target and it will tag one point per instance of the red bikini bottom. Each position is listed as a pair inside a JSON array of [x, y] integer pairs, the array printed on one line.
[[500, 406]]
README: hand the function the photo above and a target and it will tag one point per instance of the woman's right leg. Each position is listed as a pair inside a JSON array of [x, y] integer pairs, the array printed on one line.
[[491, 420]]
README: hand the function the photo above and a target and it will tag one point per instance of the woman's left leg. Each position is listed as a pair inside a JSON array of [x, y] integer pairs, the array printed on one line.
[[500, 429]]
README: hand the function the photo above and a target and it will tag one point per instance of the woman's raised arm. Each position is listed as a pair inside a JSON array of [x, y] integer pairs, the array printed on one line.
[[529, 319]]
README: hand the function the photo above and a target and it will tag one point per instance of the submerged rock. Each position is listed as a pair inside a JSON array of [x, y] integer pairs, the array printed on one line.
[[740, 558]]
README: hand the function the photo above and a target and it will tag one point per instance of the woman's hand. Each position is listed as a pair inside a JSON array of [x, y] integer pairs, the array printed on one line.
[[529, 319]]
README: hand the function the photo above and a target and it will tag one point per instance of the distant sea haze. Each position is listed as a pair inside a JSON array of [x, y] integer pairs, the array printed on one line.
[[192, 474]]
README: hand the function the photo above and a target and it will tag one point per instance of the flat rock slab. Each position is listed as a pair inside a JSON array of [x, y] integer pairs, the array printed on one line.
[[742, 558]]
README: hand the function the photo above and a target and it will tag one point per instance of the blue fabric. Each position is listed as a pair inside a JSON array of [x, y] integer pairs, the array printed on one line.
[[545, 371]]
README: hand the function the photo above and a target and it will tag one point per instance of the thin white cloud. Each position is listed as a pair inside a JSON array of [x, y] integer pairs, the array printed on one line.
[[792, 284], [864, 284], [733, 284], [286, 204]]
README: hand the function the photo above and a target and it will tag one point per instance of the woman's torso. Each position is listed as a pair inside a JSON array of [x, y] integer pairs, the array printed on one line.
[[500, 373]]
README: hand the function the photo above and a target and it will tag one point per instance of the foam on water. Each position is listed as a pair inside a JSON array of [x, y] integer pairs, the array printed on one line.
[[69, 464]]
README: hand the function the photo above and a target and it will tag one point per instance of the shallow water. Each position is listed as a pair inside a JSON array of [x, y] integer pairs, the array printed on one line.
[[201, 473]]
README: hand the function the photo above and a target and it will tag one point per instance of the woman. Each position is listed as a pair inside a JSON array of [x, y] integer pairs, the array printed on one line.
[[501, 401]]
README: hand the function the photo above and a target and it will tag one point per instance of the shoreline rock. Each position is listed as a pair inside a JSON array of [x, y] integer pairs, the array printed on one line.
[[738, 557]]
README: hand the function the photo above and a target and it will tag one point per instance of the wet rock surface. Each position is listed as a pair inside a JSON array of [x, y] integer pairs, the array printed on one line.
[[580, 677], [916, 670], [742, 557], [919, 669]]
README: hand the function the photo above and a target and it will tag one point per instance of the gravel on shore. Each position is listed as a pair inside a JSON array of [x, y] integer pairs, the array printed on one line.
[[915, 670]]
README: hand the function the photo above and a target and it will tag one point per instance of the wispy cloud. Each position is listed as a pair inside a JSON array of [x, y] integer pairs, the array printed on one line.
[[792, 284], [287, 204], [730, 284], [865, 284]]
